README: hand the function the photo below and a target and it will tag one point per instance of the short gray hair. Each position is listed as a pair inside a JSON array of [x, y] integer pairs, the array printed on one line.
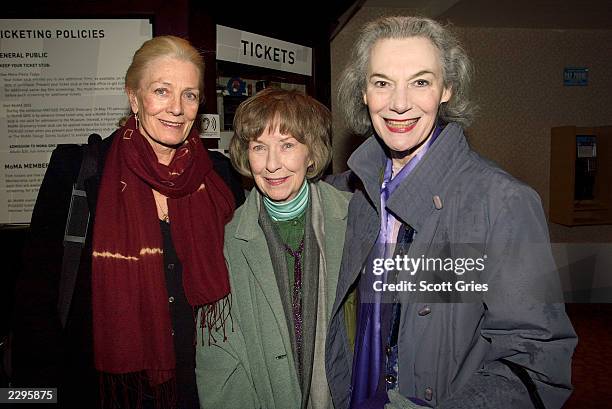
[[295, 114], [456, 69]]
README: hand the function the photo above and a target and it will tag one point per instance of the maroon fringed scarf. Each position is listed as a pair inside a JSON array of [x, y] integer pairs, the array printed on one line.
[[131, 317]]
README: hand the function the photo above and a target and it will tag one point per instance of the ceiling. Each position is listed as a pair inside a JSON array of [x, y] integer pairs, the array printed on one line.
[[549, 14], [303, 24]]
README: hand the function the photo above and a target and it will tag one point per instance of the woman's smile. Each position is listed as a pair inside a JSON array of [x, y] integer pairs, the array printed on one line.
[[401, 126]]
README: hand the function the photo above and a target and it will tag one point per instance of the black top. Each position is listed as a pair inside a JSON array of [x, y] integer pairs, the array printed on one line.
[[183, 325]]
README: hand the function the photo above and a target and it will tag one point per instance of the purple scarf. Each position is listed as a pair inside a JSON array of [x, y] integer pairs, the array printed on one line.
[[368, 358]]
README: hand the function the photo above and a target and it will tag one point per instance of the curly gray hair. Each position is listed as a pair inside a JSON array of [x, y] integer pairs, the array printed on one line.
[[456, 69]]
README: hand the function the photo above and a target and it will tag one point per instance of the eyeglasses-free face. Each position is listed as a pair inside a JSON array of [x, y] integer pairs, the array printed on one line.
[[167, 101], [278, 164], [404, 89]]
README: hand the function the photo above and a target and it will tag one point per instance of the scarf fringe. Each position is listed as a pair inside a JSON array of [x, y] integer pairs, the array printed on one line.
[[165, 395], [214, 317], [130, 390]]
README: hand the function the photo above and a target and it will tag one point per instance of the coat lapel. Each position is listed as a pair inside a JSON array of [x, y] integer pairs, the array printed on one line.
[[257, 256], [328, 223], [331, 239]]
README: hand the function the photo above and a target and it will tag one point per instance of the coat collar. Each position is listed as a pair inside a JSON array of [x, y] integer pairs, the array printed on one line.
[[248, 225], [414, 199]]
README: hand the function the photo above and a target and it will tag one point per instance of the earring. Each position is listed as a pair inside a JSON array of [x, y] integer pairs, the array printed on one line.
[[136, 117]]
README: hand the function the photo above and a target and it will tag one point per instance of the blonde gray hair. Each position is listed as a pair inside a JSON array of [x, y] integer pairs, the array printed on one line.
[[163, 46]]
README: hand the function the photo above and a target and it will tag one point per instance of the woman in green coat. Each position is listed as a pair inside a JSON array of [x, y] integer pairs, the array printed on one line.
[[283, 250]]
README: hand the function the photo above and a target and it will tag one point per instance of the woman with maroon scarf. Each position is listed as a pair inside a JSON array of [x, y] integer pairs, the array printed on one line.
[[153, 260]]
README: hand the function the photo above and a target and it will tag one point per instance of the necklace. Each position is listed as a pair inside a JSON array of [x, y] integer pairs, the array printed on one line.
[[163, 214]]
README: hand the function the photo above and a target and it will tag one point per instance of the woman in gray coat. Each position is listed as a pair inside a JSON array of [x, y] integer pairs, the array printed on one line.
[[459, 304]]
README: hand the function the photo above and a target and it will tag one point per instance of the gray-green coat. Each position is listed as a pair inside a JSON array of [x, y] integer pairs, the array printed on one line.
[[255, 368]]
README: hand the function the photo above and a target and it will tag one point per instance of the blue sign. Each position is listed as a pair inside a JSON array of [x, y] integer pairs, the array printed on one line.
[[576, 77]]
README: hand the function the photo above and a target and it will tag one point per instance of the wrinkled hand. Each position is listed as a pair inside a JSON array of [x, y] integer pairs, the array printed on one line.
[[397, 401]]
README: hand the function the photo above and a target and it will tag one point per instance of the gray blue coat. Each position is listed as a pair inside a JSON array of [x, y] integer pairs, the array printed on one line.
[[449, 353]]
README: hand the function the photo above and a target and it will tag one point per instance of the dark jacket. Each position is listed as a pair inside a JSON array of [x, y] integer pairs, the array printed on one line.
[[44, 354], [449, 353]]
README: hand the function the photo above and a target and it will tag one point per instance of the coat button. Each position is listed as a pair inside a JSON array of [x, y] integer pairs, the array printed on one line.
[[170, 299], [428, 394], [390, 379], [388, 350], [424, 311], [437, 202], [172, 332]]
